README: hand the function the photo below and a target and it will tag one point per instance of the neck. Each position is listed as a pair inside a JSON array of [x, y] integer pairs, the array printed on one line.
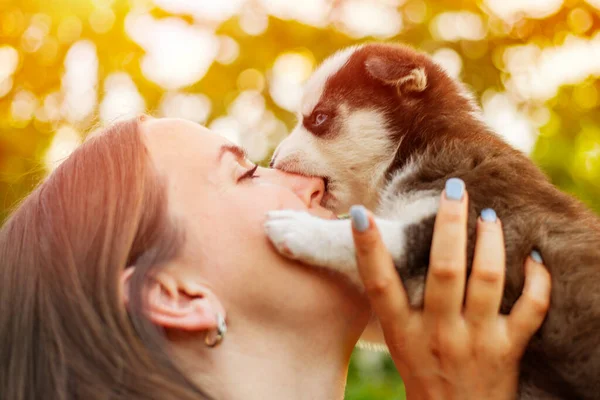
[[259, 365]]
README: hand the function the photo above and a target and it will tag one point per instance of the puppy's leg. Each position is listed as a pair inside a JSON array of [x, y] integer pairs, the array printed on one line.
[[405, 230], [326, 243]]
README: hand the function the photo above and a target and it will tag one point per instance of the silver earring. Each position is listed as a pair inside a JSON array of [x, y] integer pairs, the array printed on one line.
[[214, 337]]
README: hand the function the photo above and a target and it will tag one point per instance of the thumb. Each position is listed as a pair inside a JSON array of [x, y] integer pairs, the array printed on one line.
[[377, 271], [366, 235]]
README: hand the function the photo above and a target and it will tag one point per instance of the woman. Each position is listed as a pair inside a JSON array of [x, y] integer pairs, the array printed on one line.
[[118, 274]]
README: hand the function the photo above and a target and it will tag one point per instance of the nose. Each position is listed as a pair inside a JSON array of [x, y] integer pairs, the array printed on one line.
[[309, 189]]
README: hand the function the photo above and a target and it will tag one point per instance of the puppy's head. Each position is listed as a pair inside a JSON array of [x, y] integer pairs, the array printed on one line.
[[358, 108]]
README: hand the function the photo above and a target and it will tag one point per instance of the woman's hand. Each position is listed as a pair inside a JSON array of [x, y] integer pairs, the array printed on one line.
[[449, 350]]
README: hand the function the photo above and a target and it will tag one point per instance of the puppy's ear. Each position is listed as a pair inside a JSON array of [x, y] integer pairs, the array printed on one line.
[[407, 77]]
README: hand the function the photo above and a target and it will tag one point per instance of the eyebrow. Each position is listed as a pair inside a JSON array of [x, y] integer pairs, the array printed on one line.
[[237, 151]]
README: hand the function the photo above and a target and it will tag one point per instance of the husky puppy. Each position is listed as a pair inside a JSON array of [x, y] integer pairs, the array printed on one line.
[[385, 126]]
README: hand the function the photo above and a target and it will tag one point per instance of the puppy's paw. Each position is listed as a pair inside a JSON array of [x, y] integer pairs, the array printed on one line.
[[297, 235]]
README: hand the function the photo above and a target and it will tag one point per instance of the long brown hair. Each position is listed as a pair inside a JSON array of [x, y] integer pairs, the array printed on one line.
[[64, 332]]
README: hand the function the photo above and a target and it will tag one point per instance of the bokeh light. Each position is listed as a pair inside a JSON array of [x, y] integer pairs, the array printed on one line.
[[453, 26], [514, 10], [450, 60], [177, 54], [80, 80], [360, 18], [66, 139], [121, 98], [195, 107], [9, 60], [239, 66], [289, 72]]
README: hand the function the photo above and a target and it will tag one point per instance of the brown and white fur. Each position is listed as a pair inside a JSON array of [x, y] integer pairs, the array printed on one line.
[[386, 127]]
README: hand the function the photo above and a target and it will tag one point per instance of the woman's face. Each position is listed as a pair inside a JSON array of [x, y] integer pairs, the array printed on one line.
[[223, 209]]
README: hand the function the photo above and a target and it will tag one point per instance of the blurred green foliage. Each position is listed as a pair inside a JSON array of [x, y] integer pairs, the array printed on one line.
[[376, 378], [567, 149]]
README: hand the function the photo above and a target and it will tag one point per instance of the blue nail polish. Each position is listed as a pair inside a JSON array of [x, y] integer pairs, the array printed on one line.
[[537, 257], [455, 189], [488, 215], [360, 220]]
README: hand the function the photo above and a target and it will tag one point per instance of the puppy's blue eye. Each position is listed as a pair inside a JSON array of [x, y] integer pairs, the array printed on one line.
[[320, 118]]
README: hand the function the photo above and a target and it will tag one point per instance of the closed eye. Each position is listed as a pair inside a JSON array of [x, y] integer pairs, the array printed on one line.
[[249, 174]]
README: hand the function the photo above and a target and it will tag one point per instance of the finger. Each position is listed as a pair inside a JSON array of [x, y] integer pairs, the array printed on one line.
[[486, 282], [376, 268], [530, 310], [445, 285]]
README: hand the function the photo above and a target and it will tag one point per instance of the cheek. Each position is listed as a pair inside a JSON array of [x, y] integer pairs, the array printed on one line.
[[247, 209], [268, 197], [240, 236]]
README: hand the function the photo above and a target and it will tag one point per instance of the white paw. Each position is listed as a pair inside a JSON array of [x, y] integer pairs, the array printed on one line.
[[296, 234]]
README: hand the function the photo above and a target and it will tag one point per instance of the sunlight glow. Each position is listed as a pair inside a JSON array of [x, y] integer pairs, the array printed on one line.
[[248, 108], [512, 10], [312, 12], [253, 21], [65, 141], [75, 64], [360, 18], [9, 60], [80, 80], [538, 73], [586, 163], [450, 60], [122, 99], [194, 107], [594, 3], [580, 21], [36, 32], [229, 50], [416, 11], [502, 114], [102, 19], [5, 86], [249, 124], [289, 72], [23, 105], [49, 111], [227, 127], [177, 54], [453, 26], [212, 10]]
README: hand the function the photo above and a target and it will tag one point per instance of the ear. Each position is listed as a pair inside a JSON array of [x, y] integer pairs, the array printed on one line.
[[407, 77], [171, 303]]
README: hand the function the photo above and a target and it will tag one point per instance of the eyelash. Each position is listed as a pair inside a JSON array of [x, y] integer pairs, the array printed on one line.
[[249, 174]]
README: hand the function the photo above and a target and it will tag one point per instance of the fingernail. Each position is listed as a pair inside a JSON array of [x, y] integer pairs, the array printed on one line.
[[537, 257], [488, 215], [360, 220], [455, 189]]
